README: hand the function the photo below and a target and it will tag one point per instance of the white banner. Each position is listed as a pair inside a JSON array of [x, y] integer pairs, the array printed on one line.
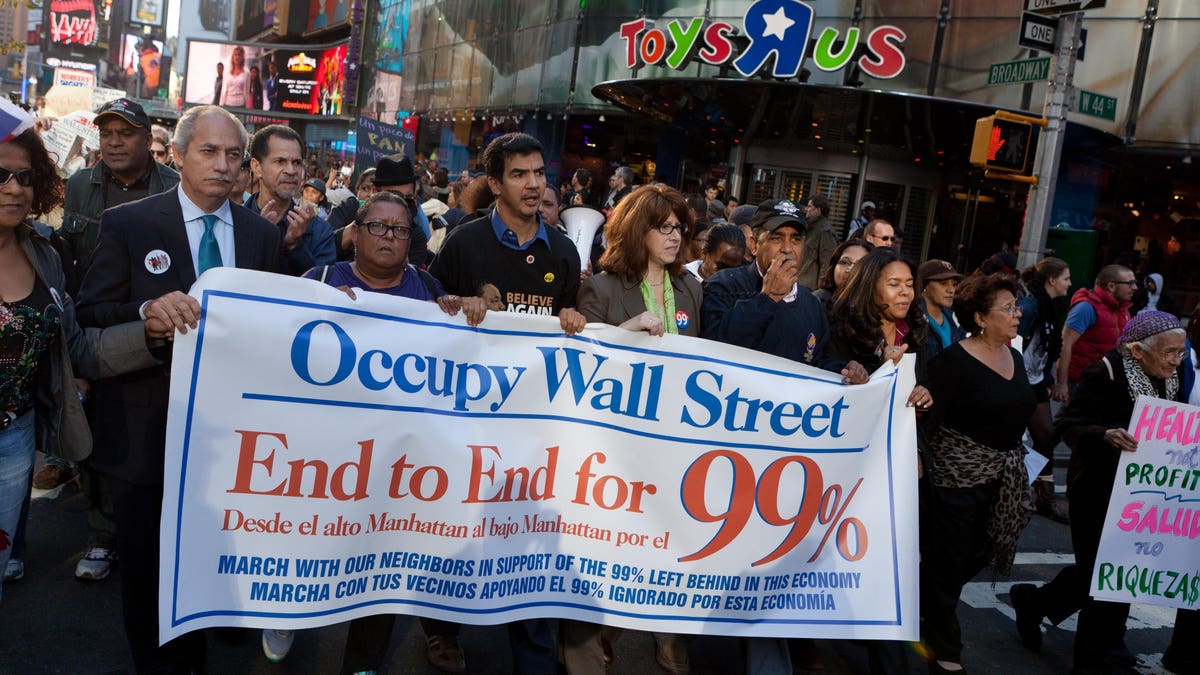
[[1150, 547], [329, 459]]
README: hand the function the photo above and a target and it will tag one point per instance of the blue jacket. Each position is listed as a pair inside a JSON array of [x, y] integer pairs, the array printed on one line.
[[316, 244], [735, 311]]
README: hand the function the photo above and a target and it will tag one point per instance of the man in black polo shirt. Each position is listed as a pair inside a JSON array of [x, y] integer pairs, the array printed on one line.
[[535, 269]]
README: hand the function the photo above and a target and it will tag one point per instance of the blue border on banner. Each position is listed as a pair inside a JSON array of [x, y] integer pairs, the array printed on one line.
[[176, 620]]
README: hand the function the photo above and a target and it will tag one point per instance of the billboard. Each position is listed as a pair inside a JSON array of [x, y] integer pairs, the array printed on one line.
[[296, 79], [324, 14], [257, 17], [72, 24], [147, 12], [142, 59], [390, 34]]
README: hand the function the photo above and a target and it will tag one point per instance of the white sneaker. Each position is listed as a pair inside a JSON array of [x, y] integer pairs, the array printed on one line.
[[277, 644], [96, 564], [14, 570]]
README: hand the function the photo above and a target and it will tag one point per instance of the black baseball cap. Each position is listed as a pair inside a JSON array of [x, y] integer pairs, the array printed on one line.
[[127, 110], [775, 213]]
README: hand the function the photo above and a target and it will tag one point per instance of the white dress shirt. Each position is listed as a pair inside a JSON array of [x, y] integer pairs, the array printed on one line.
[[194, 224]]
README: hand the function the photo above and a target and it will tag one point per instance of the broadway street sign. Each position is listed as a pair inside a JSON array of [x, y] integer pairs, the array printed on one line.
[[1012, 72]]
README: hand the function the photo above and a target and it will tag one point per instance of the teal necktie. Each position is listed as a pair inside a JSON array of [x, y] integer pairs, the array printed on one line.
[[210, 253]]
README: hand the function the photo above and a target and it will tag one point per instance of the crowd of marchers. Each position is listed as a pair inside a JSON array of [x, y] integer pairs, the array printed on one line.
[[89, 308]]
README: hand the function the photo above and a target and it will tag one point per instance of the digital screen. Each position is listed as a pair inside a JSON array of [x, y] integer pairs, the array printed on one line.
[[306, 80]]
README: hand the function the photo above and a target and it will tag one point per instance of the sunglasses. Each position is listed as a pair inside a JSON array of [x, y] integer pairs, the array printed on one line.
[[159, 153], [24, 176]]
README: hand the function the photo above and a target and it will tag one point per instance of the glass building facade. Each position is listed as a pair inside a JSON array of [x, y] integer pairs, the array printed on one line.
[[471, 69]]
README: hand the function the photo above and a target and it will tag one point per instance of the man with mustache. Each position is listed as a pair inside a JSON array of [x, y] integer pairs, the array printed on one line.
[[125, 173], [149, 254], [277, 159]]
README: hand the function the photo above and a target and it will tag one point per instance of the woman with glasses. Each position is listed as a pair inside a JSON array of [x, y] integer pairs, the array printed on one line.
[[1148, 360], [643, 288], [41, 346], [381, 240], [978, 501], [841, 264]]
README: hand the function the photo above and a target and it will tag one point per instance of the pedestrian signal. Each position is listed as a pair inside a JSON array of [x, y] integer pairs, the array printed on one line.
[[1002, 145]]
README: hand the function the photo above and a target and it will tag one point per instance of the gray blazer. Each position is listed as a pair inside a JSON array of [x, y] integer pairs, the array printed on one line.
[[606, 298]]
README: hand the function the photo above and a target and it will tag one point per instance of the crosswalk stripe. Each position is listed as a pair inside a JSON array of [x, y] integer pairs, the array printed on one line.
[[982, 595], [1044, 558]]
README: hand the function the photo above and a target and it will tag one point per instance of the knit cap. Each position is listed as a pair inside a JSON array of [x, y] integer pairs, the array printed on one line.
[[1147, 324]]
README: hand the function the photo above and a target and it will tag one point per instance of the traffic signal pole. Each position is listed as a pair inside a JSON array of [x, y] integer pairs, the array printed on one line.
[[1059, 93]]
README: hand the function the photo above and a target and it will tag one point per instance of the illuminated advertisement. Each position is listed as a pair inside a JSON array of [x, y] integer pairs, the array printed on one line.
[[298, 79], [72, 23], [323, 14], [147, 12], [142, 56]]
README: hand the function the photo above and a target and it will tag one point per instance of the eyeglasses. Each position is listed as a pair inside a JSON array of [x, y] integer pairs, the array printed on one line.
[[847, 263], [159, 153], [1131, 282], [24, 176], [882, 238], [1172, 355], [668, 228], [1011, 310], [379, 229]]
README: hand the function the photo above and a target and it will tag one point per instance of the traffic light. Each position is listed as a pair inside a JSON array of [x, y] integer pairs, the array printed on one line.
[[1003, 144]]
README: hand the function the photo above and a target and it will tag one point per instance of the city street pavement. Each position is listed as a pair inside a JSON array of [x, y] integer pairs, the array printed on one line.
[[51, 623]]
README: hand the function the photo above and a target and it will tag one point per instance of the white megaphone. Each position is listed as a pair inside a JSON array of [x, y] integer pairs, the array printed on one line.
[[582, 223]]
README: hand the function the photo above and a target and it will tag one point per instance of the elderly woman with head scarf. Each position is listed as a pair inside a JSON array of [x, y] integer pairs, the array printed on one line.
[[1147, 361]]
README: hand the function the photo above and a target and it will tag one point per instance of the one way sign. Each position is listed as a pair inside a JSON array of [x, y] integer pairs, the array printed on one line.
[[1037, 32], [1056, 7]]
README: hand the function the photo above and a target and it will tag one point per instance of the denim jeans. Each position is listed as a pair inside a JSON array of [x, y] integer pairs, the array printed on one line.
[[16, 464]]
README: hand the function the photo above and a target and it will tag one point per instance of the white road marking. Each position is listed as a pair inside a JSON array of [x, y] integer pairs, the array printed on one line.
[[1044, 558], [981, 595]]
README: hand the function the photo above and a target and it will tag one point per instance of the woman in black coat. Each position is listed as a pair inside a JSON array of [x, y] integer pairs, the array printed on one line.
[[1148, 360]]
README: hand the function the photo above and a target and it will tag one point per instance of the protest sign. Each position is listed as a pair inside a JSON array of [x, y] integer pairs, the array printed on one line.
[[332, 458], [71, 90], [1150, 547], [376, 139]]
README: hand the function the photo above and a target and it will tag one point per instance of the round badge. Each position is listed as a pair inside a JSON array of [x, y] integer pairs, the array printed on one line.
[[549, 278], [529, 259], [681, 319], [157, 261]]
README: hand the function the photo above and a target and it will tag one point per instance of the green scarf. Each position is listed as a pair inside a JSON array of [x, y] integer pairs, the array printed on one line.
[[665, 313]]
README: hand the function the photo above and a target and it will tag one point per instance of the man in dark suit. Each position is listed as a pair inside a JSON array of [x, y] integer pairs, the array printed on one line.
[[149, 254]]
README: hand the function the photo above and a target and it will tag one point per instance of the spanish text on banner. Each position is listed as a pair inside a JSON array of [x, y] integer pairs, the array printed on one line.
[[334, 458], [1150, 547]]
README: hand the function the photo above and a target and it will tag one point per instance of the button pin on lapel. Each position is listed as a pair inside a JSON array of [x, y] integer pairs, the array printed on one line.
[[157, 261]]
